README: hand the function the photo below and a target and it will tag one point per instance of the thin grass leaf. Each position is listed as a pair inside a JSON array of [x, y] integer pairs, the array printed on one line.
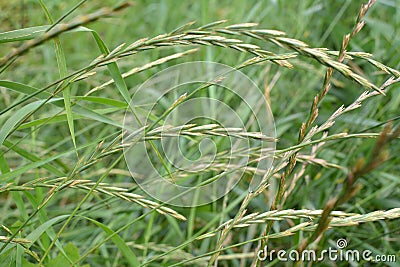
[[4, 178], [23, 88], [46, 121], [78, 109], [10, 57], [19, 255], [31, 33], [69, 12], [22, 34], [113, 69], [119, 242], [36, 234], [7, 177], [62, 68], [3, 164], [103, 100], [8, 127], [96, 116], [31, 157]]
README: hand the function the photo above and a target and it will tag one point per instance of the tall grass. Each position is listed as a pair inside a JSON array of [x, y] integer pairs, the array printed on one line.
[[68, 72]]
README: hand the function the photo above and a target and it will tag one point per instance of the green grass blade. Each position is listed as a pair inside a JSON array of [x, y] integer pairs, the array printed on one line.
[[103, 100], [7, 177], [43, 218], [26, 89], [99, 116], [22, 34], [119, 242], [31, 33], [8, 127], [66, 14], [4, 168], [42, 228], [96, 116], [31, 157], [19, 255], [3, 164], [113, 69], [23, 88], [62, 67], [35, 234]]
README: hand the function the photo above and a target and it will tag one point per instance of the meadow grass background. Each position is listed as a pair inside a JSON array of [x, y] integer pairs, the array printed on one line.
[[290, 91]]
